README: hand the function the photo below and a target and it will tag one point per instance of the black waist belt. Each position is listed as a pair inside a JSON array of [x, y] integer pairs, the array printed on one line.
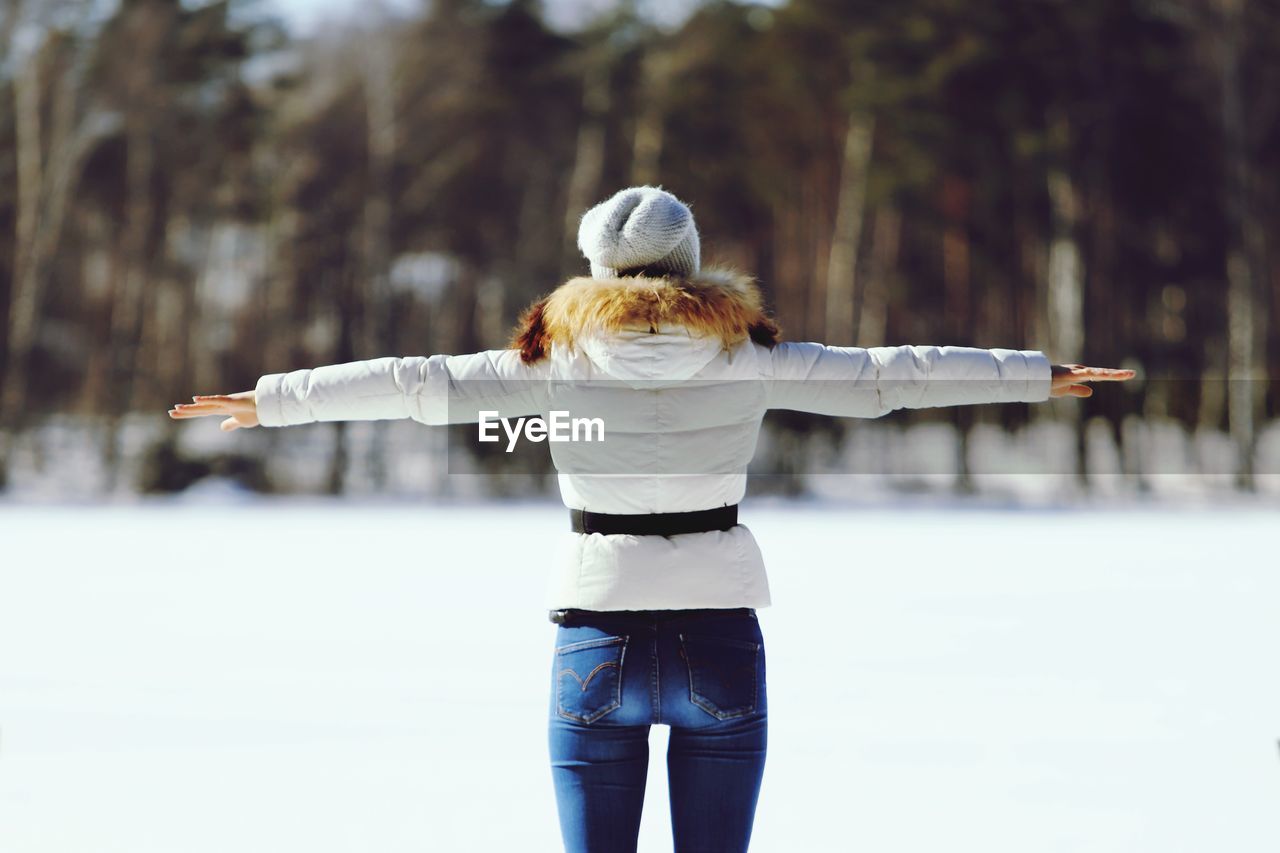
[[654, 523]]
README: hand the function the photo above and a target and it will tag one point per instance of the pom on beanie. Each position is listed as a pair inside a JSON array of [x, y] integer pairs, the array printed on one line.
[[640, 227]]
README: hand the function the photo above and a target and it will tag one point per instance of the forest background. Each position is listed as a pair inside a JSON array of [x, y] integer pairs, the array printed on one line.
[[193, 194]]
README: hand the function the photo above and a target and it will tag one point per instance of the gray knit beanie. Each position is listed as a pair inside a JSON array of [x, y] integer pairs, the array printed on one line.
[[640, 227]]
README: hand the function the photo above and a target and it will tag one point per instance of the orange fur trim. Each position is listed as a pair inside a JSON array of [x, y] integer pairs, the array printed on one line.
[[530, 336], [720, 303]]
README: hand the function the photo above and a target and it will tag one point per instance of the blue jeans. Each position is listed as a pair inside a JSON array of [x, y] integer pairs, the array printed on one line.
[[701, 672]]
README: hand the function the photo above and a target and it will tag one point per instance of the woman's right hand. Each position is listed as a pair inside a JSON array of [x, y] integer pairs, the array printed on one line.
[[241, 409]]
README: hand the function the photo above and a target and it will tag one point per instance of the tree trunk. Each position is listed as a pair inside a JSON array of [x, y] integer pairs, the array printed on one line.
[[346, 310], [1065, 276], [842, 263], [379, 97], [129, 302], [45, 183], [588, 165], [790, 279], [871, 307], [20, 333], [647, 141], [24, 297], [1246, 316], [960, 315]]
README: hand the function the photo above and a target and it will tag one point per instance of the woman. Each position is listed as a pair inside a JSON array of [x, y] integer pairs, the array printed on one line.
[[657, 588]]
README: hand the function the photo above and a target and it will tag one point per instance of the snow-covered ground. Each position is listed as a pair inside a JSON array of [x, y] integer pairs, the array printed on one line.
[[312, 676]]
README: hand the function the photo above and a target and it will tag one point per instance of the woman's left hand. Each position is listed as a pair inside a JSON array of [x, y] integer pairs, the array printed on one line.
[[1067, 379], [241, 409]]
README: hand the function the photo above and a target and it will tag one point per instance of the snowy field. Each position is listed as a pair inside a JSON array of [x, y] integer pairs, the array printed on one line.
[[196, 678]]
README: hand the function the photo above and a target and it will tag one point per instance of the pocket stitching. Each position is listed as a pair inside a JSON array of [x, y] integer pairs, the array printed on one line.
[[590, 675], [589, 644], [706, 704], [616, 702]]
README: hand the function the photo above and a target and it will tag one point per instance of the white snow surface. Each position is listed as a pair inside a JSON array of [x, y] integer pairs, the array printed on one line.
[[252, 676]]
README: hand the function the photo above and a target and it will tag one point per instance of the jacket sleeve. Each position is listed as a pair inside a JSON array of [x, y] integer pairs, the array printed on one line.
[[868, 383], [437, 389]]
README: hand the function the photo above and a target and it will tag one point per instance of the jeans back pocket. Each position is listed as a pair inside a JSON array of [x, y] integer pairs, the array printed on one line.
[[589, 678], [722, 674]]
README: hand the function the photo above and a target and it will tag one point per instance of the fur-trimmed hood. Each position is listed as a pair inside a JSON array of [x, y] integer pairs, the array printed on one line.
[[716, 304]]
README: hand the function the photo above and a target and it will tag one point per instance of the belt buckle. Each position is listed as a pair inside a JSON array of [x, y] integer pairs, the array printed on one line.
[[559, 617]]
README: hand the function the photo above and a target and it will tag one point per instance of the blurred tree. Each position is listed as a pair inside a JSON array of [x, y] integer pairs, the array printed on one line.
[[48, 64], [171, 72]]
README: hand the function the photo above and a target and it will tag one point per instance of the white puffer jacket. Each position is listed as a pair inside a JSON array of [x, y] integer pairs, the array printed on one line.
[[673, 372]]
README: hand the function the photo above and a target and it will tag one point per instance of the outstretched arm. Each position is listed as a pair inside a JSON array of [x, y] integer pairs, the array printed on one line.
[[436, 389], [868, 383]]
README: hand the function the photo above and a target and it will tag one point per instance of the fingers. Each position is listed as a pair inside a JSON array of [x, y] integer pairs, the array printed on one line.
[[1080, 373], [198, 410], [1102, 374], [193, 410], [1067, 379], [210, 404], [1071, 391]]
